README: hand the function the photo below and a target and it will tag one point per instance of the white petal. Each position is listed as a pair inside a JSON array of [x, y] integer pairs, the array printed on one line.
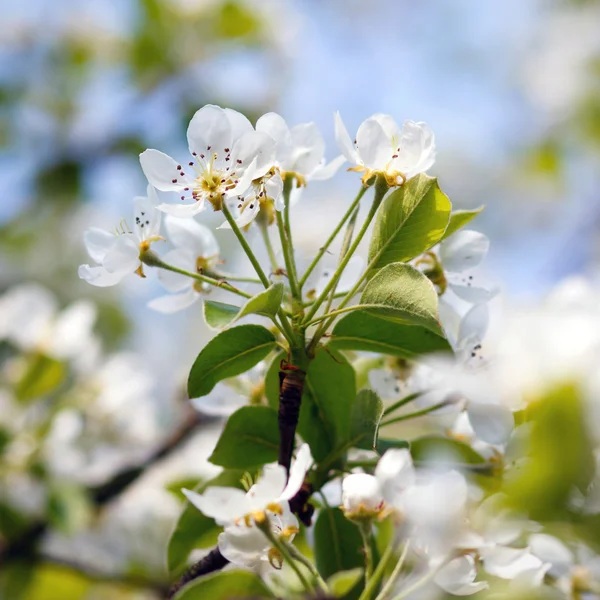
[[274, 188], [244, 182], [308, 148], [326, 171], [244, 546], [344, 141], [416, 152], [474, 325], [99, 276], [162, 172], [492, 423], [463, 250], [254, 147], [359, 491], [298, 472], [551, 550], [274, 125], [458, 577], [468, 288], [507, 563], [172, 303], [224, 504], [146, 218], [191, 235], [395, 473], [182, 258], [269, 487], [123, 256], [97, 243], [248, 213], [182, 211], [209, 128], [73, 329], [239, 123], [389, 125], [373, 145]]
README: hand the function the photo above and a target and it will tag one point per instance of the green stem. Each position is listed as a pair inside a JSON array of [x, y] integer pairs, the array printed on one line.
[[228, 277], [289, 262], [156, 262], [403, 402], [333, 235], [389, 584], [285, 553], [242, 240], [378, 574], [381, 188], [365, 532], [310, 566], [414, 415], [264, 230], [333, 313]]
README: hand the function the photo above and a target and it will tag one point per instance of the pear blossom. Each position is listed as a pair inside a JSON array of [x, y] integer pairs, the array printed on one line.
[[300, 151], [382, 147], [118, 254], [196, 250], [367, 496], [226, 505], [227, 155], [457, 577]]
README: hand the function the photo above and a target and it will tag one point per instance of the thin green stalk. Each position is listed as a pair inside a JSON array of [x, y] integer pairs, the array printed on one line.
[[310, 566], [333, 313], [378, 574], [333, 235], [285, 553], [155, 262], [380, 191], [414, 415], [288, 184], [228, 277], [264, 230], [389, 584], [402, 402], [365, 532], [242, 240], [289, 261]]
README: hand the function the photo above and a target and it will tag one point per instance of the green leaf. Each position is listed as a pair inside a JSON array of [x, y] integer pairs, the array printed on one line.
[[460, 218], [42, 376], [193, 529], [225, 586], [384, 444], [368, 332], [411, 220], [337, 543], [434, 447], [342, 582], [230, 353], [364, 424], [402, 294], [250, 439], [219, 315], [329, 393]]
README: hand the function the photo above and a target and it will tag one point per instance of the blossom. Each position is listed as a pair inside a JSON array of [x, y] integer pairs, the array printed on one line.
[[457, 577], [228, 154], [300, 151], [367, 496], [118, 254], [382, 147], [196, 250], [226, 505]]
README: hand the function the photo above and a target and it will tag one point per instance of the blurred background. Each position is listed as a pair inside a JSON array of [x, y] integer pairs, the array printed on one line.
[[512, 93]]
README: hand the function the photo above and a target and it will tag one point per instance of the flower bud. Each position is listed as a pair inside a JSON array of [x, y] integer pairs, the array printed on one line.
[[361, 496]]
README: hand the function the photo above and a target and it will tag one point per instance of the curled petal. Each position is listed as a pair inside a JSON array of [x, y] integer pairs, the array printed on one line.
[[162, 172], [298, 472], [374, 147], [254, 147], [97, 243], [98, 276]]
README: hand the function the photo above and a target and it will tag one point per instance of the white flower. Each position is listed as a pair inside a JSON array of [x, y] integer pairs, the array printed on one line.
[[300, 151], [366, 496], [246, 546], [457, 577], [196, 250], [118, 254], [227, 156], [381, 147], [226, 505]]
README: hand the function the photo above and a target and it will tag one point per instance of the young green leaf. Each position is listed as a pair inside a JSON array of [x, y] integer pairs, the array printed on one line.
[[437, 447], [411, 220], [250, 439], [384, 444], [402, 294], [342, 582], [364, 424], [230, 353], [460, 218], [193, 529], [225, 586], [42, 375], [337, 543], [367, 332], [219, 315]]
